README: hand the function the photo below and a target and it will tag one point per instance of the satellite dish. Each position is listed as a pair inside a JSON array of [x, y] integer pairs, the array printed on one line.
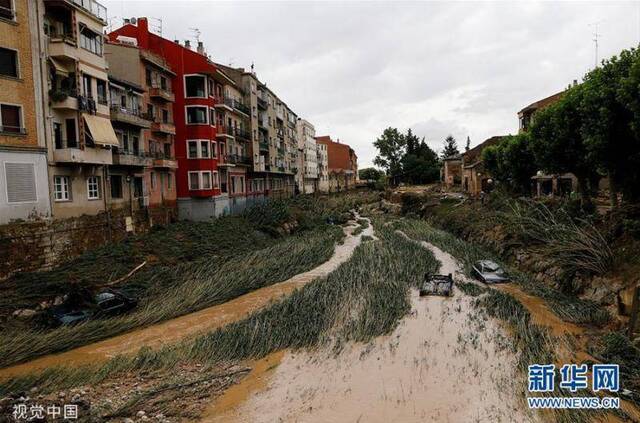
[[133, 21]]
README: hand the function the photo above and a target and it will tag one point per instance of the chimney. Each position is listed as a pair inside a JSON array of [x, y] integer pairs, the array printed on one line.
[[201, 48], [187, 44], [143, 33]]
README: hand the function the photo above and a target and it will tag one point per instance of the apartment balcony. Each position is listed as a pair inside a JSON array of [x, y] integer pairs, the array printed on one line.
[[262, 124], [162, 94], [63, 46], [129, 116], [167, 128], [125, 158], [238, 159], [64, 99], [224, 131], [162, 160], [262, 104], [94, 156], [264, 146], [93, 7], [233, 104], [242, 134]]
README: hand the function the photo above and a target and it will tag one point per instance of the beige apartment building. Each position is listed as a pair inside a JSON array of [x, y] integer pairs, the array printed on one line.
[[141, 101], [24, 189], [273, 149], [78, 130], [307, 175], [323, 167]]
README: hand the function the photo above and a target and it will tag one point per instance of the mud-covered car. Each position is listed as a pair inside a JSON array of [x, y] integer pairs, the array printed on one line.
[[489, 272], [437, 285], [83, 307]]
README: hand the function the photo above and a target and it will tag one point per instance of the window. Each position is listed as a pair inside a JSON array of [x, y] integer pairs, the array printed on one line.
[[93, 187], [153, 180], [163, 82], [204, 149], [116, 186], [147, 73], [90, 40], [21, 182], [194, 181], [11, 119], [196, 115], [206, 180], [138, 187], [6, 9], [169, 181], [214, 153], [165, 116], [212, 116], [61, 188], [195, 86], [192, 150], [86, 85], [72, 140], [102, 91], [57, 135], [8, 59], [150, 112], [214, 176]]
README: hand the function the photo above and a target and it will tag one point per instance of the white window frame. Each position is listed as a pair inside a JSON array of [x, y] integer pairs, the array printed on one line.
[[18, 67], [206, 143], [213, 180], [212, 122], [189, 181], [67, 185], [97, 188], [214, 150], [21, 110], [194, 106], [202, 179], [206, 83], [197, 142]]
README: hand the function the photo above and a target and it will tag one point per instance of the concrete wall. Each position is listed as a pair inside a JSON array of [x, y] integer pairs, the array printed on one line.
[[202, 209]]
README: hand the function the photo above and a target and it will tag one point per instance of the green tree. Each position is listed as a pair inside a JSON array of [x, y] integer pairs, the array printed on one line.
[[610, 116], [369, 174], [391, 147], [450, 147], [511, 163], [557, 142], [422, 165]]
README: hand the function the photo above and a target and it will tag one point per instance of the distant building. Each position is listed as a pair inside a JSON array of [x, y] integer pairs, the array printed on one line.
[[452, 171], [308, 151], [342, 164], [475, 179], [323, 167], [24, 188], [527, 114]]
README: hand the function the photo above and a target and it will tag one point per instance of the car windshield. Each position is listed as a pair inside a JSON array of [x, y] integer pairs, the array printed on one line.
[[490, 266]]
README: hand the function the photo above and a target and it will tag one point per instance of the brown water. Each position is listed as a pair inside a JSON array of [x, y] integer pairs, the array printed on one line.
[[192, 324], [442, 363]]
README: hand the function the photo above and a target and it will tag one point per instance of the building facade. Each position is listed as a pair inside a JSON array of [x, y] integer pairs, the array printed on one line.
[[342, 164], [323, 167], [308, 150], [24, 188]]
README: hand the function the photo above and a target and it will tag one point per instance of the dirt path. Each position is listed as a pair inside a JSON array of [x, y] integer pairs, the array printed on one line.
[[442, 363], [192, 324]]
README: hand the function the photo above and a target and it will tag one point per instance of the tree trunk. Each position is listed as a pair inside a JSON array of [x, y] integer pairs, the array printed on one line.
[[585, 195], [613, 190]]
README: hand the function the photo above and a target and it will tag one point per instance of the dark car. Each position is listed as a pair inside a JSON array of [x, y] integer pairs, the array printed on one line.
[[489, 272], [106, 303], [437, 285]]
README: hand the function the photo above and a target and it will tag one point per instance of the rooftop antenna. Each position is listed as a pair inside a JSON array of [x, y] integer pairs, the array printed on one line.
[[596, 36], [196, 33]]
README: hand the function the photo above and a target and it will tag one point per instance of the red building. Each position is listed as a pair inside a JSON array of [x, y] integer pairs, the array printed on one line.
[[342, 163], [200, 180]]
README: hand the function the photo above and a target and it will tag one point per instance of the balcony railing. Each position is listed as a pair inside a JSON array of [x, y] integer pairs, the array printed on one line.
[[237, 159], [262, 103], [242, 133], [94, 7], [165, 94], [233, 104], [264, 146], [224, 130], [130, 116]]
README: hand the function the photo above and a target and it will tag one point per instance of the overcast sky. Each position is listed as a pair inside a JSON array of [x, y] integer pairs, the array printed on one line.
[[355, 68]]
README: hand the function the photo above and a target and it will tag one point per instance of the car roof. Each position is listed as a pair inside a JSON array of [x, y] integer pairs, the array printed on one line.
[[103, 296]]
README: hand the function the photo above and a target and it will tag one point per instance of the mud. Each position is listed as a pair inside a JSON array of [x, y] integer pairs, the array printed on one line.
[[192, 324], [444, 362]]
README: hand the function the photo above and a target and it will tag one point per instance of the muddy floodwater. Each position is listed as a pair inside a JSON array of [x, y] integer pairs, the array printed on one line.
[[442, 363], [191, 325]]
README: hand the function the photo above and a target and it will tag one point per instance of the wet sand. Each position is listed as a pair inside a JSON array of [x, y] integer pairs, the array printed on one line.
[[442, 363], [193, 324]]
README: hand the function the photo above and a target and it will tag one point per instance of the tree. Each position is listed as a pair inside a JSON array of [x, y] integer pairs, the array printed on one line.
[[557, 142], [511, 163], [422, 165], [468, 146], [450, 147], [369, 174], [610, 115], [391, 148], [412, 142]]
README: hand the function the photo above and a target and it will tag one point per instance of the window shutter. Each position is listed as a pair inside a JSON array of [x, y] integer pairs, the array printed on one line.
[[21, 182]]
